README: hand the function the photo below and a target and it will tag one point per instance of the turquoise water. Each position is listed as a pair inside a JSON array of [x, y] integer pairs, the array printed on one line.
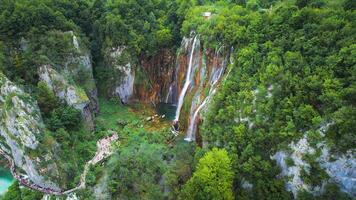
[[6, 180], [167, 109]]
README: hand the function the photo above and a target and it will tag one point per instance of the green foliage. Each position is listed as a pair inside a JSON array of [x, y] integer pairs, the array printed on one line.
[[136, 170], [2, 56], [293, 72], [212, 179], [46, 99], [349, 5], [21, 16], [13, 192], [64, 117], [332, 192], [111, 112], [180, 169], [16, 193], [143, 26]]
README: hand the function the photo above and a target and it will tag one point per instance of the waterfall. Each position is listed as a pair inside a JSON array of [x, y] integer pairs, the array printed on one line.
[[214, 79], [188, 80], [168, 94]]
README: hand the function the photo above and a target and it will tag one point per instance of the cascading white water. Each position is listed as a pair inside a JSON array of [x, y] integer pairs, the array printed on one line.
[[188, 80], [214, 79], [168, 94]]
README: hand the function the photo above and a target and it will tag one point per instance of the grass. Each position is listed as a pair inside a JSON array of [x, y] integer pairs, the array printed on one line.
[[113, 114], [111, 111]]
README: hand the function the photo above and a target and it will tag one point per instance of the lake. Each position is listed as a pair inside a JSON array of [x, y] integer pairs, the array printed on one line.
[[169, 110], [6, 180]]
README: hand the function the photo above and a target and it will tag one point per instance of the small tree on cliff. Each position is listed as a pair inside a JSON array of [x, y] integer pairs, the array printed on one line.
[[213, 178], [47, 100]]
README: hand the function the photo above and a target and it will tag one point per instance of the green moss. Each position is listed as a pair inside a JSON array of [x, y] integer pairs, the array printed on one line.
[[81, 94]]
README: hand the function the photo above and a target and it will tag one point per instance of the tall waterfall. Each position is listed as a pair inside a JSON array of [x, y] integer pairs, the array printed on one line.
[[216, 75], [188, 80], [195, 81], [169, 94]]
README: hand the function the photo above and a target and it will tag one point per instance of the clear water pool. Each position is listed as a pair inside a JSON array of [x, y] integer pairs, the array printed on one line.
[[169, 110], [6, 180]]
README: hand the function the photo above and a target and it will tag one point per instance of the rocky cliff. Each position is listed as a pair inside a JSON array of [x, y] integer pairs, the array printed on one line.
[[21, 134], [72, 80], [67, 93], [188, 78], [144, 79], [198, 74], [334, 167]]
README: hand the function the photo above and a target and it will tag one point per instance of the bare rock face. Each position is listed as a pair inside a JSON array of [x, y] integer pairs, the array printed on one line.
[[69, 93], [299, 149], [21, 130], [124, 74], [79, 67], [340, 168], [72, 80], [146, 79], [160, 71]]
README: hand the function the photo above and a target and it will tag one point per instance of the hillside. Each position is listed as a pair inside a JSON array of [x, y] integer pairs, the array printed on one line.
[[183, 99]]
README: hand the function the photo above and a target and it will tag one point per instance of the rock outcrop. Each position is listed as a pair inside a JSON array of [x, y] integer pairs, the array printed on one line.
[[123, 74], [72, 81], [145, 79], [21, 130], [340, 168], [68, 93]]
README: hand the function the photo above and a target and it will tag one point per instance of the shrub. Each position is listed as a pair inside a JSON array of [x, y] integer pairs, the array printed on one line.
[[64, 117]]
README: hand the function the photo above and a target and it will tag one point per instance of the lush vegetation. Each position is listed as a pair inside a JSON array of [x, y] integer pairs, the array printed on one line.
[[293, 73], [212, 179], [143, 163]]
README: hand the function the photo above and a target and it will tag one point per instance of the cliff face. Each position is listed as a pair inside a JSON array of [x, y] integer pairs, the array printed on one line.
[[21, 130], [188, 79], [146, 79], [68, 93], [198, 74], [339, 168], [73, 81], [122, 73], [159, 69]]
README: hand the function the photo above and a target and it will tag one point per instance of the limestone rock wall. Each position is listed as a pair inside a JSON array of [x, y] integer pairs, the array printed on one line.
[[72, 80], [21, 130], [341, 168], [67, 92], [145, 79]]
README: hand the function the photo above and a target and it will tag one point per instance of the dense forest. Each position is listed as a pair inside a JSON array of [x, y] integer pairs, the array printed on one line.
[[277, 122]]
